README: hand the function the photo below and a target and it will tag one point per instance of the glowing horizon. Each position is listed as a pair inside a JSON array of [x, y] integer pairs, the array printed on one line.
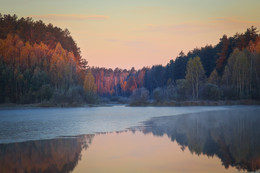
[[139, 33]]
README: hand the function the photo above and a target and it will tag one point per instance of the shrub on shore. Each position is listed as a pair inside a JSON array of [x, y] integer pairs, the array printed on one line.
[[140, 96]]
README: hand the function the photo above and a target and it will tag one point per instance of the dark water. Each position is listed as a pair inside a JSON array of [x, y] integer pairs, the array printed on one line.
[[225, 140]]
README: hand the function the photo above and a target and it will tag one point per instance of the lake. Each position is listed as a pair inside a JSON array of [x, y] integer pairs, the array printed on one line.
[[130, 139]]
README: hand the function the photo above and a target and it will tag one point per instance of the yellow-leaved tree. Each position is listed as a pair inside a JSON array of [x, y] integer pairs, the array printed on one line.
[[90, 87], [195, 75], [237, 73]]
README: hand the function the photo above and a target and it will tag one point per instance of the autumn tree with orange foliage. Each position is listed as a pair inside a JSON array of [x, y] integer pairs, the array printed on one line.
[[37, 60]]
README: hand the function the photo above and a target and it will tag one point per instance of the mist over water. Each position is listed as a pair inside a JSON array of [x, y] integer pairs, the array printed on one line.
[[17, 125], [231, 135]]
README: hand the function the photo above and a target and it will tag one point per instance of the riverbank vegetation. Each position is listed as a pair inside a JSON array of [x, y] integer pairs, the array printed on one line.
[[42, 63]]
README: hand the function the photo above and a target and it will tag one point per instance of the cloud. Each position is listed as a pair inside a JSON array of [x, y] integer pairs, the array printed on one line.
[[185, 28], [70, 17], [235, 21], [199, 27]]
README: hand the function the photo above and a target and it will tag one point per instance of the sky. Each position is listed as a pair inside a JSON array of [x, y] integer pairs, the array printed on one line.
[[138, 33]]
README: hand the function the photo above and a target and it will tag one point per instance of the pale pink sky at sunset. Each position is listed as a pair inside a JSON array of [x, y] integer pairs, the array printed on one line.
[[137, 33]]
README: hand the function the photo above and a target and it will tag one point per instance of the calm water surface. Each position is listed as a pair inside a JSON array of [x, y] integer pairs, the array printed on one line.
[[126, 139], [17, 125]]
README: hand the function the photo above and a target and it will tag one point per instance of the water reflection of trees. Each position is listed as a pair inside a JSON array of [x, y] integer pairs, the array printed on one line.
[[232, 135], [55, 155]]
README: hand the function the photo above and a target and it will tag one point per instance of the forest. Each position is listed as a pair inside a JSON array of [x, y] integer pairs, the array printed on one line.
[[42, 63]]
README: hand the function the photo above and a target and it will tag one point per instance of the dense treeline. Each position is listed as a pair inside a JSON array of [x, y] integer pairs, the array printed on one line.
[[212, 57], [118, 82], [221, 73], [229, 70], [41, 62], [38, 62]]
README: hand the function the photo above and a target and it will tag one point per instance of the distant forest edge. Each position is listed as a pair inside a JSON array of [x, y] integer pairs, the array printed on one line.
[[42, 63]]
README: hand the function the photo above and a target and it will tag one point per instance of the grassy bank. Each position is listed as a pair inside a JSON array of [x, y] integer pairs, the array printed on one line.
[[199, 103], [49, 105]]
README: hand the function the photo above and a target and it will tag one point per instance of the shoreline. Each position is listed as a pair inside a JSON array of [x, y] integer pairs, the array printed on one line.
[[148, 104], [200, 103]]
